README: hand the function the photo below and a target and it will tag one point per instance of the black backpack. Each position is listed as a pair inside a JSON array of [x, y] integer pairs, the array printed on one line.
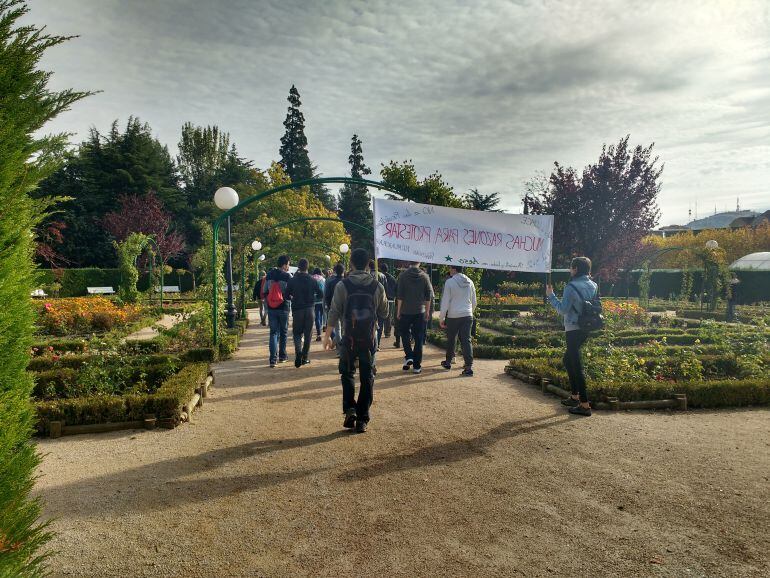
[[360, 325], [590, 317]]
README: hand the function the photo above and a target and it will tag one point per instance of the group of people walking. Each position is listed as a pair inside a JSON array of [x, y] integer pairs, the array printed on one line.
[[356, 308]]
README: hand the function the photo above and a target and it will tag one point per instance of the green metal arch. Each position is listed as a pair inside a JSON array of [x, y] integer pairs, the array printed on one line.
[[151, 240], [306, 219], [264, 194]]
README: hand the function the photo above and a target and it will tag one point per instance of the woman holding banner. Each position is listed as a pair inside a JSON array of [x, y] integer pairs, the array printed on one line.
[[579, 290]]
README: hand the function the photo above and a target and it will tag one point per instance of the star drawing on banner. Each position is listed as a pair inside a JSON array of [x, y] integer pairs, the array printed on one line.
[[448, 258]]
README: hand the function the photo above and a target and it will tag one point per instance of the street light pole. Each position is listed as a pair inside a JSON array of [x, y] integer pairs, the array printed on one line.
[[226, 198], [344, 248]]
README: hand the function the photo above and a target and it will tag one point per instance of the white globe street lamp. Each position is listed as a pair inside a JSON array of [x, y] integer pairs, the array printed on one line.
[[261, 257], [226, 198], [344, 248], [328, 258], [712, 244], [256, 245]]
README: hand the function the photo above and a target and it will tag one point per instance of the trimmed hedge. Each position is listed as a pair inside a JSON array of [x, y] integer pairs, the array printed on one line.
[[75, 281], [700, 394], [166, 402]]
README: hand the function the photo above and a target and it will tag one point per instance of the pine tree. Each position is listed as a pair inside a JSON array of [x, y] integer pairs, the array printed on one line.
[[294, 156], [355, 201], [26, 105], [480, 202]]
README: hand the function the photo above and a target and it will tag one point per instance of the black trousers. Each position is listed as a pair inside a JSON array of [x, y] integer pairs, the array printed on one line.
[[461, 326], [348, 360], [574, 363], [413, 327], [302, 327]]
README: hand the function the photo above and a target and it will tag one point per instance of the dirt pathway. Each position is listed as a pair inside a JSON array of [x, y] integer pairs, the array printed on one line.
[[456, 477], [149, 333]]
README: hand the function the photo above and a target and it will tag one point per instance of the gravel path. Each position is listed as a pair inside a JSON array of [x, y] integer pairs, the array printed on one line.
[[456, 477], [148, 333]]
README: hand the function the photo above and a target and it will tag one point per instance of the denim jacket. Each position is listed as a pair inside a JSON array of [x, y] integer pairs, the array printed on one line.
[[578, 290]]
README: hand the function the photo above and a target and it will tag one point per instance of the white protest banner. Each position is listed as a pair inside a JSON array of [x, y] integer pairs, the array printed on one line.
[[429, 234]]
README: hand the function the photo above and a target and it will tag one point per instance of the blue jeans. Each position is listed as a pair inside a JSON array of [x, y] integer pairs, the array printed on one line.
[[413, 327], [320, 320], [279, 330]]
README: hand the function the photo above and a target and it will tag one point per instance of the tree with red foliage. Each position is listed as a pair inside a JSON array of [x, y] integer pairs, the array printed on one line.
[[604, 212], [46, 238], [145, 214]]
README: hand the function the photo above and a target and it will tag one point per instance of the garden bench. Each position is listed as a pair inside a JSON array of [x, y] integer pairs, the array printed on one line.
[[100, 290], [38, 293], [168, 289]]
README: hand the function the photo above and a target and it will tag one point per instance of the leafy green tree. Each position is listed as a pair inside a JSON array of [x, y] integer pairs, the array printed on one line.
[[103, 169], [480, 202], [208, 160], [295, 159], [26, 104], [355, 200], [432, 190]]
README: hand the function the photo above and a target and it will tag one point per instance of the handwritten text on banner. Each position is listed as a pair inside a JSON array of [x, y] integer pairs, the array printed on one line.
[[430, 234]]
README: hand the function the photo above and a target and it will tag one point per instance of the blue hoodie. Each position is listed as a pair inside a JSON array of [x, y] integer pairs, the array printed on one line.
[[578, 290]]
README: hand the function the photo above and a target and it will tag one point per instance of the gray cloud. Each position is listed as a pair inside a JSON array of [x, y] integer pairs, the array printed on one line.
[[486, 92]]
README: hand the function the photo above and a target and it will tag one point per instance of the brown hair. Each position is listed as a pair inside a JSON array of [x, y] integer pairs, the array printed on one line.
[[582, 265]]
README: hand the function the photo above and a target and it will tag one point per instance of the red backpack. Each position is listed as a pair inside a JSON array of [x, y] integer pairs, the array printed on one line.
[[274, 295]]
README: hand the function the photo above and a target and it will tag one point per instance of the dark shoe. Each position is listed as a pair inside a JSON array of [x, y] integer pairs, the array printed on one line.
[[397, 344], [297, 361], [446, 365], [318, 338], [263, 324], [374, 370], [283, 360], [272, 365], [570, 402], [580, 410], [350, 418], [467, 372], [361, 426], [417, 370], [407, 364], [305, 361]]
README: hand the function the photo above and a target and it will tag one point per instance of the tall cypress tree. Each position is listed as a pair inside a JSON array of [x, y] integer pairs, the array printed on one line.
[[26, 104], [294, 156], [355, 201]]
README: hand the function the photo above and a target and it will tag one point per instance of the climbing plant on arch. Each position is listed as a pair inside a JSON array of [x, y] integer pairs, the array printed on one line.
[[219, 221]]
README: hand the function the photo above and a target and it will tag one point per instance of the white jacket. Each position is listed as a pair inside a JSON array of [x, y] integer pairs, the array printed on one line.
[[458, 298]]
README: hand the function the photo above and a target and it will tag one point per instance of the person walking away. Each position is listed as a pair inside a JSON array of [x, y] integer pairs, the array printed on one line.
[[414, 294], [358, 301], [390, 294], [579, 290], [274, 294], [259, 286], [320, 318], [380, 276], [458, 302], [303, 290], [331, 283]]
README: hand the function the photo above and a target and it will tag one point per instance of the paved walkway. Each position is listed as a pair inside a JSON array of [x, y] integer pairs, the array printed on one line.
[[456, 477]]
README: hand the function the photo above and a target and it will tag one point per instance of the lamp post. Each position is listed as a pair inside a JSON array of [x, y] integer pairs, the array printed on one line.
[[256, 245], [226, 198], [343, 251]]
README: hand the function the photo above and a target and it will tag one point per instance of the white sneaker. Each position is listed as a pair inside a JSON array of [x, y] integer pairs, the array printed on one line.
[[417, 370]]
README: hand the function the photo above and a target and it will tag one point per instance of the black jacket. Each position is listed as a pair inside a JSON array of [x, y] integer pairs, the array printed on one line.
[[331, 283], [303, 290]]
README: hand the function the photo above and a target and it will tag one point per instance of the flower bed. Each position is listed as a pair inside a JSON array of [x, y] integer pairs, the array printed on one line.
[[80, 315]]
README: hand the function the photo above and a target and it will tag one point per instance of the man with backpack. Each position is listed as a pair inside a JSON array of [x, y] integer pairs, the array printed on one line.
[[273, 294], [581, 309], [358, 302], [414, 299], [304, 291]]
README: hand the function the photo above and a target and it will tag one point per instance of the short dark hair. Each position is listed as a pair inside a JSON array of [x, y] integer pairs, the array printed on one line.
[[582, 265], [384, 267], [302, 264], [283, 260], [339, 269], [371, 264], [317, 271], [359, 258], [458, 268]]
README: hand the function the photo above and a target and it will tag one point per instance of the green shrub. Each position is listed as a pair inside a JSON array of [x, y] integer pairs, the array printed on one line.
[[199, 354], [26, 157], [228, 344], [59, 346]]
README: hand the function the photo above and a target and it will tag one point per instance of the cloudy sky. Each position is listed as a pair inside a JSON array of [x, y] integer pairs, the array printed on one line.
[[487, 92]]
